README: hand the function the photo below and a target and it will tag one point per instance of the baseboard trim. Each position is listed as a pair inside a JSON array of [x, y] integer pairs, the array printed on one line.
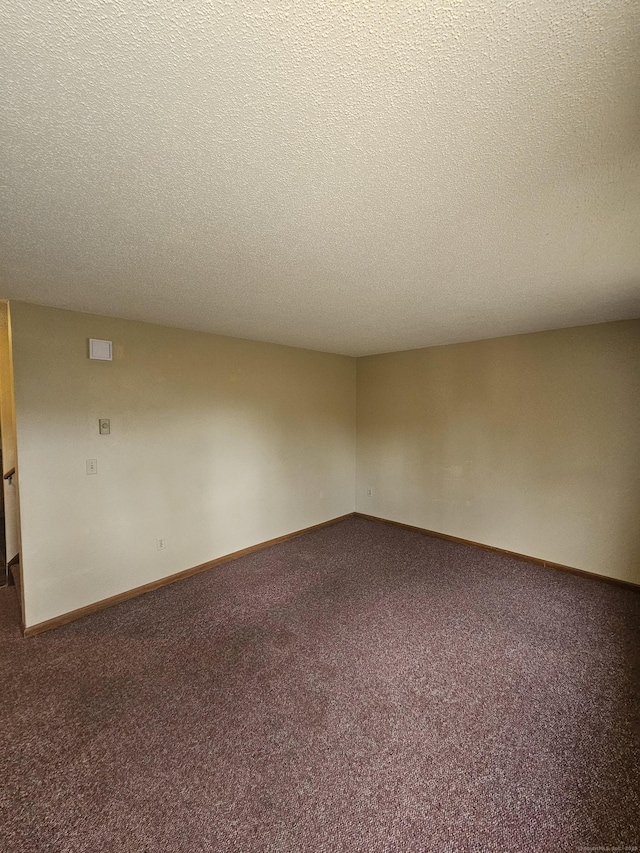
[[524, 557], [65, 618], [103, 604]]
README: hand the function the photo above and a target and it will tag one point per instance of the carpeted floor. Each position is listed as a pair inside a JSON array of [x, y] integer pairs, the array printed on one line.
[[360, 688]]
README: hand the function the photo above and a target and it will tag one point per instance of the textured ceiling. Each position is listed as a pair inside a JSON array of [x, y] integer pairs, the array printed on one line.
[[344, 175]]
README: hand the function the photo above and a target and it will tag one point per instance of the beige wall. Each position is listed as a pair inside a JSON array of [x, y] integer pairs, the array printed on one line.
[[529, 443], [216, 444]]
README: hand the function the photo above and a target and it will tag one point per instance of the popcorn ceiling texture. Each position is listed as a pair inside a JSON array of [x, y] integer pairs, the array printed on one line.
[[347, 176]]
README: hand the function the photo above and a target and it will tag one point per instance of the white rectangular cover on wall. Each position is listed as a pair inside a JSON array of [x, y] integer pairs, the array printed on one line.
[[101, 350]]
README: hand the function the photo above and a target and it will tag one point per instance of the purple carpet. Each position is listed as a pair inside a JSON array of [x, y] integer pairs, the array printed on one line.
[[360, 688]]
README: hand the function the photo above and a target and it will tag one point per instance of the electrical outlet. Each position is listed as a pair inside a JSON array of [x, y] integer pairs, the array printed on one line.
[[369, 493], [92, 466], [161, 542]]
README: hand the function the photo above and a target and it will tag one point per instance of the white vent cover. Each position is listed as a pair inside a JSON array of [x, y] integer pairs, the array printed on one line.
[[100, 349]]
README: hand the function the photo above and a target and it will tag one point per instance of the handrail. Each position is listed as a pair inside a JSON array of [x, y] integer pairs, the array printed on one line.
[[10, 474]]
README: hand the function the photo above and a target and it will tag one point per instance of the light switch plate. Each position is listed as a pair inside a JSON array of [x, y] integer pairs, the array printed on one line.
[[104, 426]]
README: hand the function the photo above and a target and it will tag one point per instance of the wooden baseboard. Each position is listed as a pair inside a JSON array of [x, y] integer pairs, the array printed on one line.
[[65, 618], [535, 560]]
